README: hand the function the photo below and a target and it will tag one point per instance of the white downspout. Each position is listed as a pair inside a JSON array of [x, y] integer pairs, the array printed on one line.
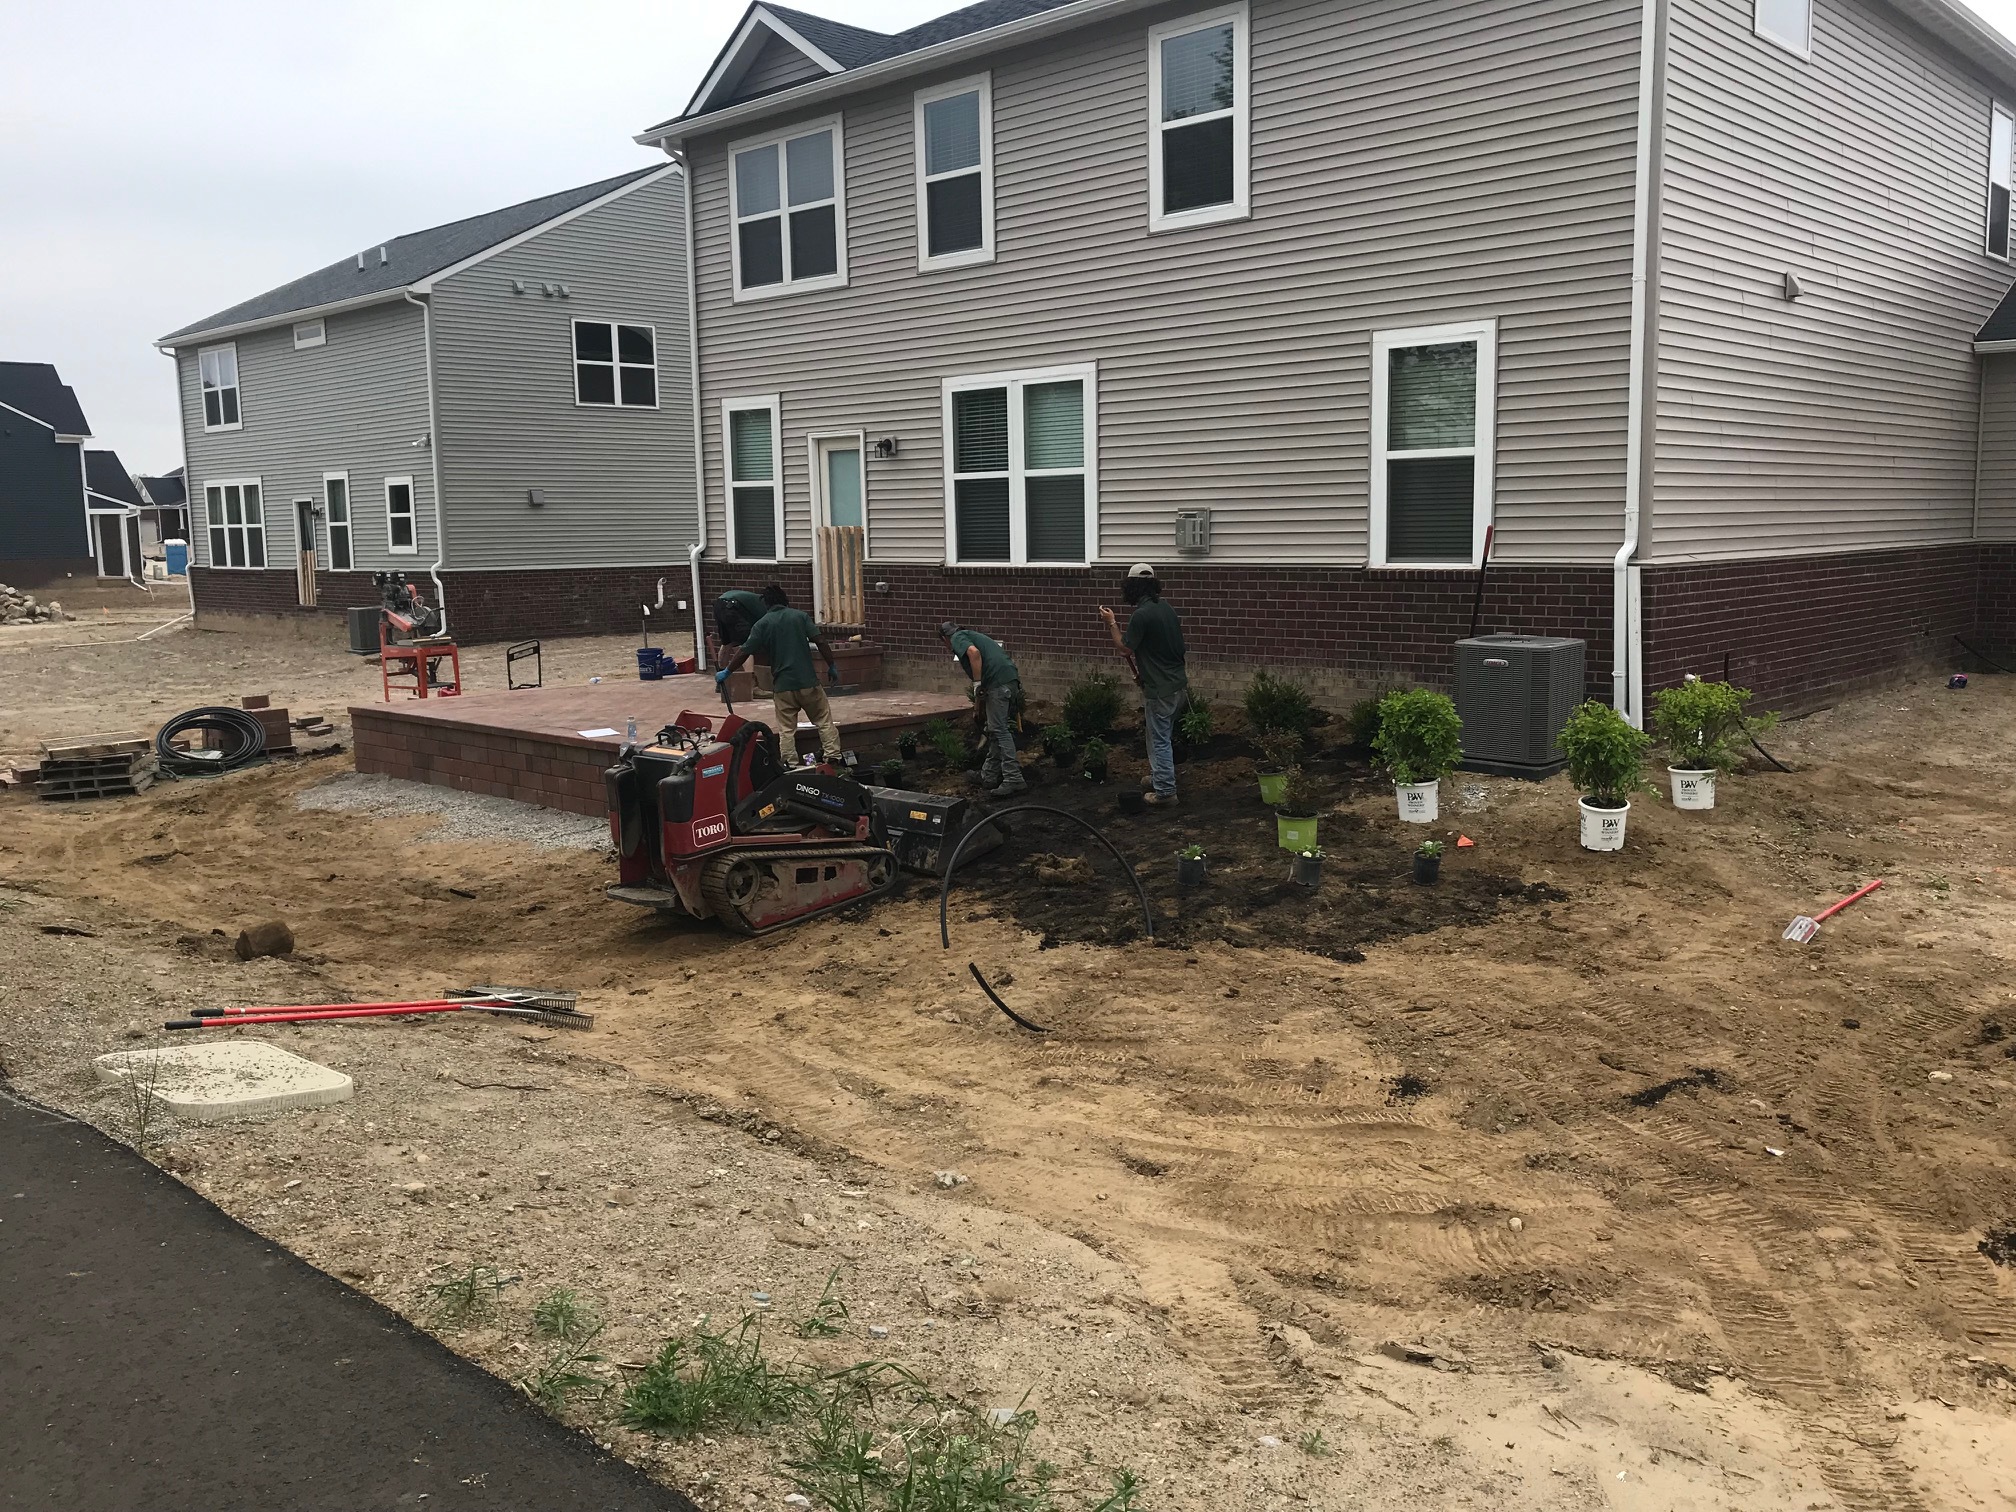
[[1627, 674], [699, 545], [433, 458]]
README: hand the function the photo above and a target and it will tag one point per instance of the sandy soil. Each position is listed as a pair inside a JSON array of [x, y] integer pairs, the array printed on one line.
[[1695, 1214]]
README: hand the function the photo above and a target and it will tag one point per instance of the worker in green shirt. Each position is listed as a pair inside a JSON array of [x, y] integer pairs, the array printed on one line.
[[1153, 646], [785, 638], [735, 615], [997, 686]]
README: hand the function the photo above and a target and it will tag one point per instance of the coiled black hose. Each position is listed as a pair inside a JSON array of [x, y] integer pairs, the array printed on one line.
[[242, 739]]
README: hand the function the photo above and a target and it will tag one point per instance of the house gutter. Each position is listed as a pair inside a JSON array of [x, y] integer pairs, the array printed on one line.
[[433, 456], [168, 344], [699, 546], [1627, 669]]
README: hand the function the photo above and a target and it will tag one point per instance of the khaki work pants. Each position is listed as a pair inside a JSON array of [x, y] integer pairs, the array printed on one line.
[[817, 709]]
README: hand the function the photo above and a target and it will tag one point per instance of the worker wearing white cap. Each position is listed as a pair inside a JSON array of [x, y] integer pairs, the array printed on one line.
[[1153, 645]]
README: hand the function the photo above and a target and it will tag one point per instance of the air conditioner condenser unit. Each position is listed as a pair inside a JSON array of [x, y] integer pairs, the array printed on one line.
[[1515, 693]]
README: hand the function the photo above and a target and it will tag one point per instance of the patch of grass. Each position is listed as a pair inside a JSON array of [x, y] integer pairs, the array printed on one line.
[[561, 1377], [708, 1379], [1312, 1443], [563, 1314], [140, 1090], [828, 1318], [1938, 884], [462, 1298]]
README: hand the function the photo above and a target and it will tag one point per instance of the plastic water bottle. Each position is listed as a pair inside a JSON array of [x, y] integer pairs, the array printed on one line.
[[631, 735]]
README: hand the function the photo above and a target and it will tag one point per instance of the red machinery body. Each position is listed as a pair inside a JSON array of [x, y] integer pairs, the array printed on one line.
[[707, 821]]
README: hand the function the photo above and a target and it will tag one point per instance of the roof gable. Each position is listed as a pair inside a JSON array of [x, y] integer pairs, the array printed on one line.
[[1999, 332], [393, 266], [166, 491], [774, 48], [36, 390], [106, 476]]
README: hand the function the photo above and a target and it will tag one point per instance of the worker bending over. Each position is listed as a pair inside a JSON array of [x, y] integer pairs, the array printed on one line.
[[1153, 646], [735, 615], [996, 686], [785, 637]]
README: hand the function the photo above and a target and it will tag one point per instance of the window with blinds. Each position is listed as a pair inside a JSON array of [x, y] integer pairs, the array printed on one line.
[[1021, 473], [1197, 120], [955, 174], [789, 205], [1433, 395], [2001, 169], [755, 499]]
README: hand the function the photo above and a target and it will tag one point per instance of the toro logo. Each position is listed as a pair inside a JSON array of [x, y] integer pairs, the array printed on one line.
[[710, 829]]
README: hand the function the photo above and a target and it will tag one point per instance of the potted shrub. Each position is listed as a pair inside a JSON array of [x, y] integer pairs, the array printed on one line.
[[1428, 862], [1702, 725], [1092, 705], [1419, 742], [1307, 867], [1295, 817], [890, 773], [1060, 743], [1096, 753], [1278, 753], [1606, 762], [906, 745], [1190, 865]]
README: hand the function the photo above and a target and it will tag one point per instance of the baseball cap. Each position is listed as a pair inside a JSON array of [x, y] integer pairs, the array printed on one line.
[[948, 630], [1140, 569]]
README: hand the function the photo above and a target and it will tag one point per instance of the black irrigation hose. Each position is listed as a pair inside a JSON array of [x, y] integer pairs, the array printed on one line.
[[952, 866], [1768, 756], [1979, 655], [243, 739]]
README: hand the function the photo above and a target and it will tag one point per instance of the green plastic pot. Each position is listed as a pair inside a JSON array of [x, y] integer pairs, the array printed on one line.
[[1297, 833], [1273, 786]]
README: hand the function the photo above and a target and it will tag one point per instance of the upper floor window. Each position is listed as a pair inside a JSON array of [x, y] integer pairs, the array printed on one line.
[[789, 205], [1022, 483], [310, 333], [1434, 401], [400, 534], [237, 523], [955, 174], [615, 364], [1197, 120], [2001, 148], [1789, 23], [755, 500], [218, 367]]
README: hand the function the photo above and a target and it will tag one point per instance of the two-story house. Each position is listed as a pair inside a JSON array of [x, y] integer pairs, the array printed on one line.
[[45, 522], [1673, 302], [502, 403]]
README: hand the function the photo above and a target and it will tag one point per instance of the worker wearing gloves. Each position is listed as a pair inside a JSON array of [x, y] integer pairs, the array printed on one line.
[[1153, 646], [735, 615], [785, 637], [996, 686]]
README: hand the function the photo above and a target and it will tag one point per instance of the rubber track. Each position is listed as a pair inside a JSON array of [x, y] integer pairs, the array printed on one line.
[[714, 880]]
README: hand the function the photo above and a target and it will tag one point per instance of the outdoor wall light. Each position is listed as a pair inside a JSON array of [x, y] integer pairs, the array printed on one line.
[[886, 447]]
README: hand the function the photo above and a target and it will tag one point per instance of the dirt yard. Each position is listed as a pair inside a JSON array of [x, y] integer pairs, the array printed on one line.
[[1653, 1210]]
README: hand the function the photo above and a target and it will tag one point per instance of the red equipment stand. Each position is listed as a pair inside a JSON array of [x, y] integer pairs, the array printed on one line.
[[419, 661]]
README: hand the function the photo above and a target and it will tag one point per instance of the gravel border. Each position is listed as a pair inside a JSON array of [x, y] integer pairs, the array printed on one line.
[[464, 816]]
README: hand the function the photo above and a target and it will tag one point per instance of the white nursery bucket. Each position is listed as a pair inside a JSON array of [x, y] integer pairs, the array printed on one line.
[[1603, 829], [1418, 801], [1692, 790]]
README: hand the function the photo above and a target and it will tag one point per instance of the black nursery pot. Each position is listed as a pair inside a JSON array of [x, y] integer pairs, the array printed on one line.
[[1190, 872], [1427, 869], [1307, 870], [1132, 802], [1096, 773]]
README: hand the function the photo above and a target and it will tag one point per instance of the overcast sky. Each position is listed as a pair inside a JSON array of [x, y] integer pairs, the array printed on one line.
[[166, 158]]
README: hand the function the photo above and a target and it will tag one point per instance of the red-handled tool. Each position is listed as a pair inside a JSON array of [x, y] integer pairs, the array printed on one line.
[[546, 1007], [1803, 929]]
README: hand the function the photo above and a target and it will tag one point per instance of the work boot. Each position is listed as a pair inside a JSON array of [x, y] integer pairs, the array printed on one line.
[[1012, 787], [1159, 800]]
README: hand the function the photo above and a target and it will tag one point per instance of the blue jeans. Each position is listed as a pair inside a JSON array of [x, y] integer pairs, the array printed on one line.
[[1161, 722], [1002, 765]]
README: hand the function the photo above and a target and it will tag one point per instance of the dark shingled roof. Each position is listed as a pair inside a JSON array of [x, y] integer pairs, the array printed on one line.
[[105, 474], [168, 491], [408, 258], [2001, 325], [849, 46], [35, 389]]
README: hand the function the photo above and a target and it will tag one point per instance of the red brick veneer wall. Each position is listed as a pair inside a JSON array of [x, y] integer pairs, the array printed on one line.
[[1996, 616], [531, 770], [716, 578]]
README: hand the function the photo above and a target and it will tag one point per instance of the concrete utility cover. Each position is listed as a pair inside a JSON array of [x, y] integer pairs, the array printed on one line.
[[203, 1083]]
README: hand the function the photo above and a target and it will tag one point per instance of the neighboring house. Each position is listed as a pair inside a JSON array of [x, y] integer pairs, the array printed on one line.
[[1297, 300], [166, 515], [503, 402], [114, 502], [45, 533]]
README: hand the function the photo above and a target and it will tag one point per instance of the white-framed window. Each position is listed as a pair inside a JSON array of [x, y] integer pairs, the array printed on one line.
[[401, 535], [787, 196], [755, 501], [615, 363], [236, 516], [310, 333], [2001, 173], [1789, 23], [1434, 409], [217, 367], [1021, 467], [336, 515], [1199, 115], [955, 174]]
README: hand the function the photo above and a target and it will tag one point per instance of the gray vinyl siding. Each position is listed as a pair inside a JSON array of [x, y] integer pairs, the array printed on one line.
[[1844, 420], [358, 403], [1998, 447], [777, 66], [1417, 163], [618, 482]]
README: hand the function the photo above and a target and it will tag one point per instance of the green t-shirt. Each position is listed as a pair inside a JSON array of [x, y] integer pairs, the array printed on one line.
[[750, 605], [1155, 636], [784, 637], [996, 670]]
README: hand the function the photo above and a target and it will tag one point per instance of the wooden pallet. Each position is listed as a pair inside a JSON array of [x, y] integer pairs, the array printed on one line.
[[97, 777], [92, 747]]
